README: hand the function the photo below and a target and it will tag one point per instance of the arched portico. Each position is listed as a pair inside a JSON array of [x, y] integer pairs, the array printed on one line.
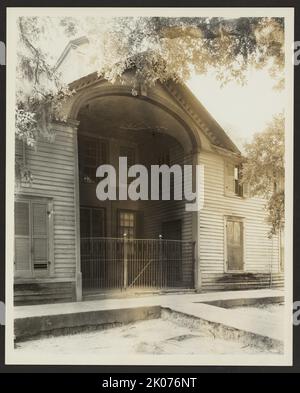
[[111, 113]]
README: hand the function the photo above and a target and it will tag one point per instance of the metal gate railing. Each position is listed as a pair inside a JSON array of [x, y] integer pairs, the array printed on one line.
[[116, 263]]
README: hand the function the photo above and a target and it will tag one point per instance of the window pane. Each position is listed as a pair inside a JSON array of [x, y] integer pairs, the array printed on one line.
[[40, 250], [92, 153], [236, 172], [22, 218], [127, 224], [22, 254], [229, 178], [39, 213]]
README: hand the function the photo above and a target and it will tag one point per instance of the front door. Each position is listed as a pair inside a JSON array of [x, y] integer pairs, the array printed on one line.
[[171, 230], [234, 242], [92, 232], [172, 270]]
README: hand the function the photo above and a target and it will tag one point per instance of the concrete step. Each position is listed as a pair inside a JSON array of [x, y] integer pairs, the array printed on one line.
[[60, 324]]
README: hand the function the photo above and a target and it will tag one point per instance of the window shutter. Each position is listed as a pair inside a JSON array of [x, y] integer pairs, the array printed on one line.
[[229, 178], [22, 240], [234, 239], [40, 237]]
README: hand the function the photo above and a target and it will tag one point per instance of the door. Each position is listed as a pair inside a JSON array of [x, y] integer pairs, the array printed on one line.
[[234, 243], [172, 255], [171, 230], [93, 250]]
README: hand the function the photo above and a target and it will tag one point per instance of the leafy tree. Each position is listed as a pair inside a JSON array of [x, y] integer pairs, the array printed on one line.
[[263, 170], [158, 48]]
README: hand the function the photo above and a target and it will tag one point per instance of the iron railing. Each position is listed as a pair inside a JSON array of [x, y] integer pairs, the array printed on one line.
[[116, 263]]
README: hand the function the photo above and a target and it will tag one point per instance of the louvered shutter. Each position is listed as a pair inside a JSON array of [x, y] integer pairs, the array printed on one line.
[[40, 238], [22, 240], [234, 238], [229, 178]]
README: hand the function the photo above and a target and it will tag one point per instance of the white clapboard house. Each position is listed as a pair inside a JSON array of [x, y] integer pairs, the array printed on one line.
[[70, 246]]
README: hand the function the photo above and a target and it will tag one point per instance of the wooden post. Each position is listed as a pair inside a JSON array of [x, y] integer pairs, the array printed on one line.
[[196, 231], [160, 261], [78, 275], [125, 256]]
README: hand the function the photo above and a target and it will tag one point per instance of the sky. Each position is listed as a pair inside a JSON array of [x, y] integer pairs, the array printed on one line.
[[240, 110]]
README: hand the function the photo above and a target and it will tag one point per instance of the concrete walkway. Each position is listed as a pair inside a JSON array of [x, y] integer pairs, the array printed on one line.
[[193, 305], [151, 300]]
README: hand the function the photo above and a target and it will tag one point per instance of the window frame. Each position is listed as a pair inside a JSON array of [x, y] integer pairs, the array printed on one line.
[[233, 194], [90, 209], [100, 144], [242, 221], [119, 212], [36, 273]]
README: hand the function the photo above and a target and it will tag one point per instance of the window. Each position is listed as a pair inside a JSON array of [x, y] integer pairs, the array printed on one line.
[[92, 222], [127, 224], [232, 180], [234, 244], [32, 227], [92, 153]]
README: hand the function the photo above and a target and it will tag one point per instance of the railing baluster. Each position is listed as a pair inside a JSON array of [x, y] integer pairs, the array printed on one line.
[[115, 263]]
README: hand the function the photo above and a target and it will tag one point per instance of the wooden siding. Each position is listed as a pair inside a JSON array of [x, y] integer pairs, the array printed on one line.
[[52, 168], [261, 254], [43, 292]]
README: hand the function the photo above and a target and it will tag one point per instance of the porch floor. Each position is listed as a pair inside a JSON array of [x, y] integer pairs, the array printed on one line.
[[190, 304], [90, 294]]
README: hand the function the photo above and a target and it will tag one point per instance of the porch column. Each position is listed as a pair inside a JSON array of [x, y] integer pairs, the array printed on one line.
[[196, 229], [78, 275]]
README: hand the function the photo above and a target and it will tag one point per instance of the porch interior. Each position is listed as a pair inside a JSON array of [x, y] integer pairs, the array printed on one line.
[[132, 245]]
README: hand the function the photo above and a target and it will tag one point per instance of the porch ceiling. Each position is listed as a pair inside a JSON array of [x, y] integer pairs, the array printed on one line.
[[130, 118]]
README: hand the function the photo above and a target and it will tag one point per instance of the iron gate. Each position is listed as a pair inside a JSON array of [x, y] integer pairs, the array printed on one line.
[[116, 263]]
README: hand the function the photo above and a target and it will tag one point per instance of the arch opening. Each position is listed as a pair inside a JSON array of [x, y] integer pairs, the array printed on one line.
[[124, 243]]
